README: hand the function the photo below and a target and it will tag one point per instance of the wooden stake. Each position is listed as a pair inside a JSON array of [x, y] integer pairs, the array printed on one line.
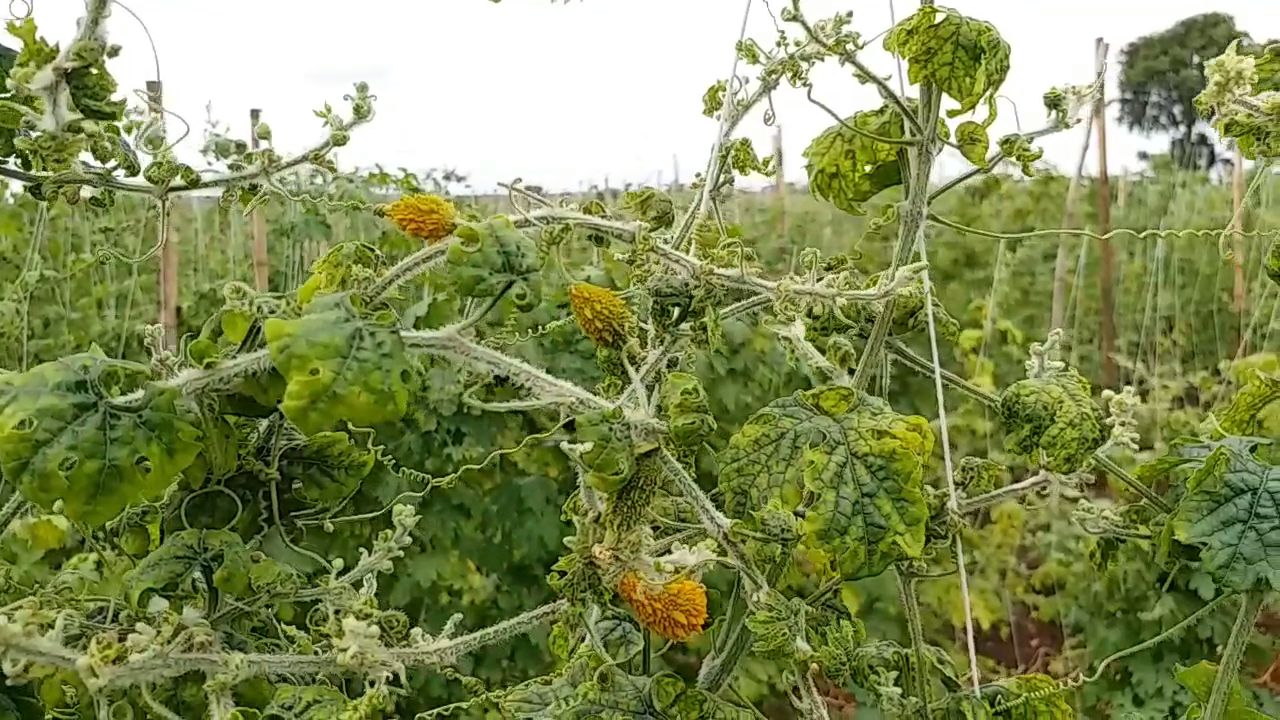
[[1062, 264], [261, 260], [779, 183], [1106, 271], [168, 310], [1237, 250]]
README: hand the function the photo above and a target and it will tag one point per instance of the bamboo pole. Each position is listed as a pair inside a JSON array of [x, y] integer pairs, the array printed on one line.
[[168, 310], [261, 261], [1237, 250], [1106, 273]]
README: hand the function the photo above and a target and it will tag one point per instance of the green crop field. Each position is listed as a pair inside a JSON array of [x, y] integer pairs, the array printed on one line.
[[875, 447]]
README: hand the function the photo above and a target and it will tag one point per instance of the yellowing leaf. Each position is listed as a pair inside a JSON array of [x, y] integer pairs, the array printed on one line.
[[966, 58], [862, 463], [338, 366], [847, 168], [973, 141]]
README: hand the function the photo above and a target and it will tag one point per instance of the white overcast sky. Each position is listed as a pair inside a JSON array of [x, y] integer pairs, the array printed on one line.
[[567, 95]]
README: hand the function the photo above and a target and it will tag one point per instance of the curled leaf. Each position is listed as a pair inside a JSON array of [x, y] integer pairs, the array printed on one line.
[[861, 463], [966, 58]]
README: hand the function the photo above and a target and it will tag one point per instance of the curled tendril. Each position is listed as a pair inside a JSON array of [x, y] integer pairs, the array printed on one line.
[[516, 337], [155, 126], [326, 177], [106, 255], [182, 509]]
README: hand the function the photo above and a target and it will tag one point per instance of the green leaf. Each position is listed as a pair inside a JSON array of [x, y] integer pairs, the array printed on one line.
[[339, 366], [612, 456], [966, 58], [862, 462], [1243, 415], [847, 168], [327, 469], [973, 141], [701, 705], [1198, 679], [617, 638], [61, 438], [190, 551], [219, 451], [493, 255], [1055, 415], [1231, 511], [305, 702]]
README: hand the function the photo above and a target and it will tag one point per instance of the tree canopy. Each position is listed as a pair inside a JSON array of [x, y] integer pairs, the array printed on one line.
[[1162, 73]]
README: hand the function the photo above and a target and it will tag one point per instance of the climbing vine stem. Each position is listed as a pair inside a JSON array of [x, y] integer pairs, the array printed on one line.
[[1224, 684]]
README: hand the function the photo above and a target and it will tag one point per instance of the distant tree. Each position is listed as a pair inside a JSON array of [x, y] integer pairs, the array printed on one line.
[[1160, 76]]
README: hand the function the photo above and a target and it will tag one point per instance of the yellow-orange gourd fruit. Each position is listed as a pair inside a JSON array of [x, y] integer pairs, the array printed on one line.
[[429, 217], [601, 314], [676, 610]]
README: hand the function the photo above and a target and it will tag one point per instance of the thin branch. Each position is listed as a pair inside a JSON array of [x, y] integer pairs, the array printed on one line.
[[881, 84], [988, 165], [17, 644], [986, 500]]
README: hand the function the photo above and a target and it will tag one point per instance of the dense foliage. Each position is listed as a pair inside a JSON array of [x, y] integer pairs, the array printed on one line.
[[747, 479]]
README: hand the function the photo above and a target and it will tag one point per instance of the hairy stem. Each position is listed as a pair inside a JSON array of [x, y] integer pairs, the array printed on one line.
[[1233, 655], [718, 667], [911, 229], [715, 522], [919, 676], [986, 500], [18, 645], [409, 268], [1185, 623]]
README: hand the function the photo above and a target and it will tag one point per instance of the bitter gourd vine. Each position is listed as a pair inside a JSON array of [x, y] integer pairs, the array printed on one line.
[[177, 535]]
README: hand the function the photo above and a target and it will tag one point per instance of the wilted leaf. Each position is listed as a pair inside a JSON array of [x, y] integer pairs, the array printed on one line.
[[184, 553], [327, 469], [973, 141], [847, 168]]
